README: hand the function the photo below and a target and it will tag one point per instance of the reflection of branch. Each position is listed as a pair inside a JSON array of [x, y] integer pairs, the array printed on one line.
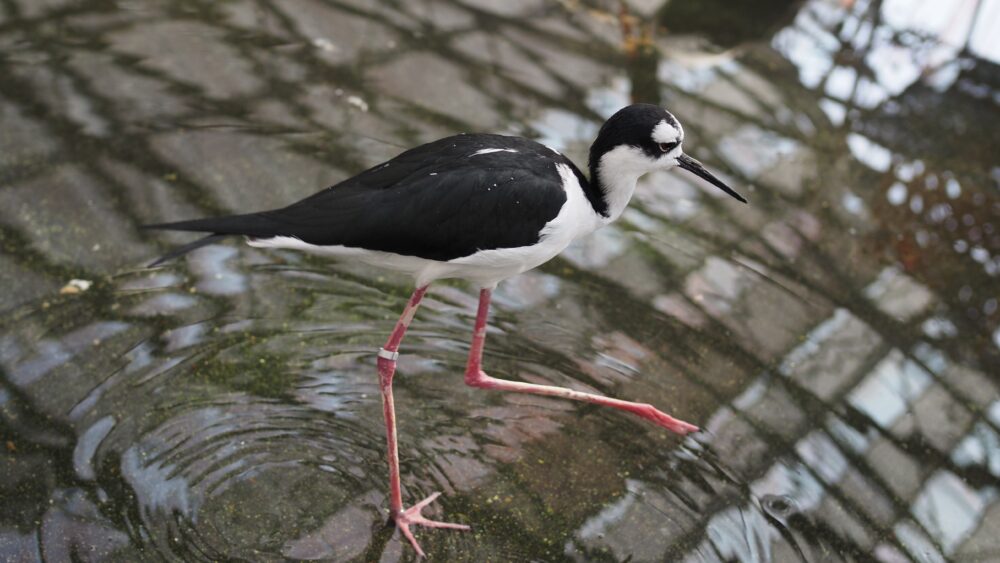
[[972, 25]]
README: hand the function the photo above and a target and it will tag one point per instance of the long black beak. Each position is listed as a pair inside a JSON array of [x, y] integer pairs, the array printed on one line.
[[698, 169]]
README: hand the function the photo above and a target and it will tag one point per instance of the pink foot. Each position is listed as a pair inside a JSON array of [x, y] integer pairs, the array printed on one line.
[[412, 517], [651, 413]]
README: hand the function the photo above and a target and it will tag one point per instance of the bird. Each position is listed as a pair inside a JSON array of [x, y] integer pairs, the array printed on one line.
[[479, 207]]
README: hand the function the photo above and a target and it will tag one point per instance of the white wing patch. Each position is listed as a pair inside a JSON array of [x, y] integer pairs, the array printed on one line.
[[488, 151]]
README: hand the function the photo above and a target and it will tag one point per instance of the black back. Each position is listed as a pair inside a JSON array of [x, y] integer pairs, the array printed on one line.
[[436, 201]]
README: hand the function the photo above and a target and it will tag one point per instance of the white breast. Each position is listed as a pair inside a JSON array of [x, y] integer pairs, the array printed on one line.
[[576, 218]]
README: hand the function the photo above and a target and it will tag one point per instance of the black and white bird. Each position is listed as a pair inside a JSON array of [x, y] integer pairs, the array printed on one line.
[[478, 207]]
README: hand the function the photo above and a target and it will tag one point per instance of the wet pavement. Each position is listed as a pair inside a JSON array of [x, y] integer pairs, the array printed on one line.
[[838, 339]]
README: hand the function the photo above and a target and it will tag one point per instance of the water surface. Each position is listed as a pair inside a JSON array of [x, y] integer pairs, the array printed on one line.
[[837, 339]]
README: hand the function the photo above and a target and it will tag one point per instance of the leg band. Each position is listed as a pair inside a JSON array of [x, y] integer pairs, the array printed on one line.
[[388, 355]]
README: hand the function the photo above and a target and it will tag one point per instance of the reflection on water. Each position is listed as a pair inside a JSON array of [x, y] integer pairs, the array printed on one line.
[[838, 339]]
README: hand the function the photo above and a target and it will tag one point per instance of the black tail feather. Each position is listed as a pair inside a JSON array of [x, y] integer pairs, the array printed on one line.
[[227, 224], [251, 224], [181, 250]]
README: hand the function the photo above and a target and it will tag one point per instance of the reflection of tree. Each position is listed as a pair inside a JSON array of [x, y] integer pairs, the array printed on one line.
[[102, 102], [944, 229], [728, 24]]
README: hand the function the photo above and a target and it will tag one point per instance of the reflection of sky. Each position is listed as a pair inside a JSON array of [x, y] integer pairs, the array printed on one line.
[[157, 486], [888, 390], [807, 44], [814, 340], [820, 453], [753, 149], [870, 153], [980, 447], [793, 480], [52, 353], [949, 509], [914, 36], [557, 128], [695, 72], [737, 534], [917, 543], [216, 277], [950, 21], [598, 524]]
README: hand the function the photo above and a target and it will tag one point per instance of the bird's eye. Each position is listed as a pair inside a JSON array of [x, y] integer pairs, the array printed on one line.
[[667, 147]]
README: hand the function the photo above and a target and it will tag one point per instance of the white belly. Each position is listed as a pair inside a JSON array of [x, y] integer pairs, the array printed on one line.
[[485, 268]]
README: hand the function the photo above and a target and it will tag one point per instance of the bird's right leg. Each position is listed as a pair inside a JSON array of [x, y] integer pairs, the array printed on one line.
[[476, 377], [387, 357]]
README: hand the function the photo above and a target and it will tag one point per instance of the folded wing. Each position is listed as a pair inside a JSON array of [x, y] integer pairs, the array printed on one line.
[[440, 201]]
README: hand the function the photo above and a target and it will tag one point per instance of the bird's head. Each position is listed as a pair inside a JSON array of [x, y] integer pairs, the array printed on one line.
[[643, 138]]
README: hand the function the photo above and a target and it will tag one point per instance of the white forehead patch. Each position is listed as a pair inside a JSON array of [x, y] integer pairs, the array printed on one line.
[[665, 132]]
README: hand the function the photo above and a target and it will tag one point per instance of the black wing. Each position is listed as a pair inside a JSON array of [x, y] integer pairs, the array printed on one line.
[[436, 201]]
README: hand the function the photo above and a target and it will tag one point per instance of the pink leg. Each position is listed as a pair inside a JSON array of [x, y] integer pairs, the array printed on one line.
[[386, 368], [475, 377]]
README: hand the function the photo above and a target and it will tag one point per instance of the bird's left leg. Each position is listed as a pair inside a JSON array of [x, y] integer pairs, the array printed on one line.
[[475, 377], [387, 357]]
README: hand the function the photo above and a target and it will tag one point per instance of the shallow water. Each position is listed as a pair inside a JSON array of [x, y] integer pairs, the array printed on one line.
[[837, 339]]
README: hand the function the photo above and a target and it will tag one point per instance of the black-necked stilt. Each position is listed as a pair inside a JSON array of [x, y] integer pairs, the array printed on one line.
[[478, 207]]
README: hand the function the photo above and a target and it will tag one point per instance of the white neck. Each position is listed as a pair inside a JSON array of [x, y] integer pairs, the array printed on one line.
[[617, 174]]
